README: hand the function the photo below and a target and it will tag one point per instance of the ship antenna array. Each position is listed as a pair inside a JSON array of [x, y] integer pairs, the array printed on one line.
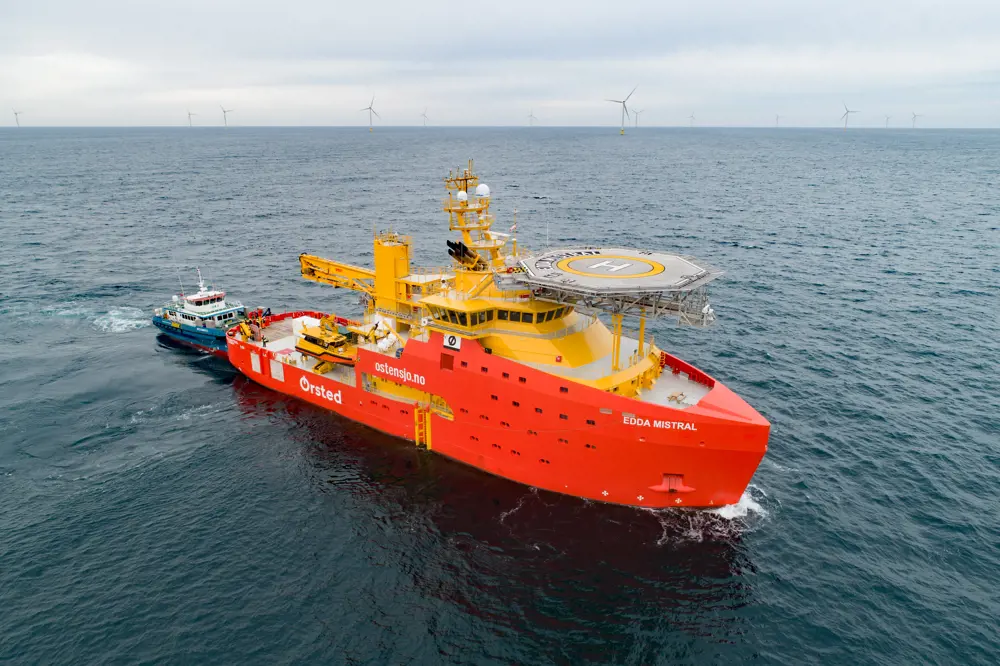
[[180, 283]]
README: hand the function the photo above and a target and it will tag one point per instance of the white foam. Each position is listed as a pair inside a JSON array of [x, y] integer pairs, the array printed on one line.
[[122, 320], [744, 507]]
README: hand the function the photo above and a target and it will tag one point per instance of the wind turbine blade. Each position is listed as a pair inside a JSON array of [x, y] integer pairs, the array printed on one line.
[[630, 94], [376, 114]]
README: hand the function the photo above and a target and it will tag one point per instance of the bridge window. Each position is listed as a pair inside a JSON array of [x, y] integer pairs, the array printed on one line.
[[515, 316], [559, 313], [527, 317], [489, 315], [503, 315], [461, 319]]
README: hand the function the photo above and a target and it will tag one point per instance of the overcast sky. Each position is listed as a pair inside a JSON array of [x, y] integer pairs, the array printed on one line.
[[120, 62]]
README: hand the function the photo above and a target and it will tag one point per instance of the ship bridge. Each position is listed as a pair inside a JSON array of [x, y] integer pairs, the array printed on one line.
[[620, 281]]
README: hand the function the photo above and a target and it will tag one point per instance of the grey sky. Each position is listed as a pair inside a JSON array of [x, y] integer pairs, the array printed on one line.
[[113, 62]]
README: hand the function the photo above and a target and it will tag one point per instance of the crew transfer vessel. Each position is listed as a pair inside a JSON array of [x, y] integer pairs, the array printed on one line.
[[200, 320], [502, 360]]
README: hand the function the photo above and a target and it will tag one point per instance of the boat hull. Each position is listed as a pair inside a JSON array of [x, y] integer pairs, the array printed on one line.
[[210, 341], [537, 428]]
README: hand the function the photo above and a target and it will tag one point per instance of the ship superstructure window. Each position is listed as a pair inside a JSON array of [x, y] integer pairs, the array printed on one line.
[[515, 316], [503, 315], [526, 317]]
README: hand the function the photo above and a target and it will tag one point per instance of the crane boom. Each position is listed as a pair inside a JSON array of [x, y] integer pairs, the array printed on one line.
[[337, 274]]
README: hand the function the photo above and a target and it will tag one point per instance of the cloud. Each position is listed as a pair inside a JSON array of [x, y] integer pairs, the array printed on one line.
[[111, 62]]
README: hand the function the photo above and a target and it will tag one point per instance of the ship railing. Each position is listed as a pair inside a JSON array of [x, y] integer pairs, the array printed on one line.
[[585, 322], [677, 366]]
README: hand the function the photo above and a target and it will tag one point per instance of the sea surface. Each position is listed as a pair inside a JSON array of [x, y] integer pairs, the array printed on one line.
[[156, 507]]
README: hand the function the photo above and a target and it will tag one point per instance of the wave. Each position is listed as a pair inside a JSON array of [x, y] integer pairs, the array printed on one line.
[[121, 320]]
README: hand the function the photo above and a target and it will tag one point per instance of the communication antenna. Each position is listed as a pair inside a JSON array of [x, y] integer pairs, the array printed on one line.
[[225, 115], [371, 109], [180, 283], [624, 107], [847, 115]]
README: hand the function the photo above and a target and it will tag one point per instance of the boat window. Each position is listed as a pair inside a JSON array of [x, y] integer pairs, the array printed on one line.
[[489, 315], [527, 317], [452, 317], [461, 319], [559, 313], [515, 315], [502, 315], [550, 315]]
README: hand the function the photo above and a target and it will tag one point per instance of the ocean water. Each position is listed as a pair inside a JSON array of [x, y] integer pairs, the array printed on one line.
[[156, 507]]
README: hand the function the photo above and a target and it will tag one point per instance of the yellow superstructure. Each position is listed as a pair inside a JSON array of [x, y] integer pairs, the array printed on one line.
[[473, 299]]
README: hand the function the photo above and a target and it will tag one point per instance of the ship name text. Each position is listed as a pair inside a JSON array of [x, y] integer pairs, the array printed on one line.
[[657, 423]]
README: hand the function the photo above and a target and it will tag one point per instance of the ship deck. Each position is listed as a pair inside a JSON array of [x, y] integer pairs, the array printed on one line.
[[670, 390]]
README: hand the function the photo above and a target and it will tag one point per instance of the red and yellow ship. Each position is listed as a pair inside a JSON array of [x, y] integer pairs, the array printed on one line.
[[502, 361]]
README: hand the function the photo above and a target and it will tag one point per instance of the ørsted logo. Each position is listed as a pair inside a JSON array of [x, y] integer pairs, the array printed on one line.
[[320, 391], [400, 373]]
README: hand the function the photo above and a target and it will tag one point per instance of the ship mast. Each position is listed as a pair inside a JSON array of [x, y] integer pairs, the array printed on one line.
[[472, 217]]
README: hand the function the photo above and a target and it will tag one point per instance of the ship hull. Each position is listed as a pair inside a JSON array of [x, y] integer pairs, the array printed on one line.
[[537, 428], [210, 341]]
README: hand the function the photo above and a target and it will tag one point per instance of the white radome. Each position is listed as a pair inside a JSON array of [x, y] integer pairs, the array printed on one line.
[[482, 190], [462, 196]]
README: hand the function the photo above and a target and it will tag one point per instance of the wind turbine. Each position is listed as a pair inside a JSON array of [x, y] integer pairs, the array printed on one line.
[[424, 116], [531, 117], [887, 121], [692, 119], [190, 124], [635, 114], [17, 117], [624, 108], [777, 118], [847, 114], [371, 109], [225, 115], [915, 116]]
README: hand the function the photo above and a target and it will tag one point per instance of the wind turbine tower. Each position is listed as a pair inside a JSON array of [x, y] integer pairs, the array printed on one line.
[[424, 116], [847, 115], [635, 114], [371, 109], [915, 116], [531, 117], [17, 117], [692, 119], [777, 120], [190, 124], [887, 121], [225, 115], [624, 107]]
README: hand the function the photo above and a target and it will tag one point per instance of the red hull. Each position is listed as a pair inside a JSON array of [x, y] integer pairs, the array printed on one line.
[[542, 430]]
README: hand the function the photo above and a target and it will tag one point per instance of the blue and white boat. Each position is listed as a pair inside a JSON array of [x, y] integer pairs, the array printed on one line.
[[201, 320]]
